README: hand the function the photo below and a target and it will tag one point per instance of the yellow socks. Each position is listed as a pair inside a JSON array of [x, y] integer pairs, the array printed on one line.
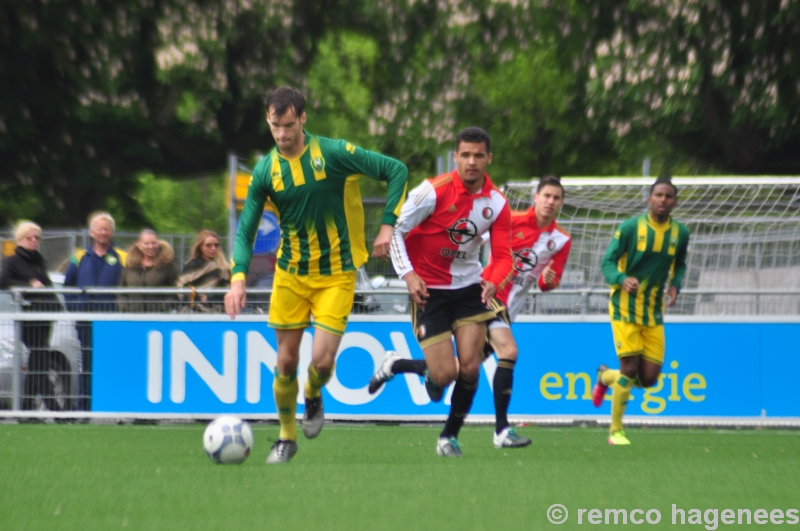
[[285, 389], [619, 399], [316, 381], [609, 376]]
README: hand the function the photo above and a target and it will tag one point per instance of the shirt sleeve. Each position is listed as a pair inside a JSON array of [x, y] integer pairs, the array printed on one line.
[[615, 250], [250, 220], [380, 168], [500, 242], [679, 264], [557, 263], [420, 205]]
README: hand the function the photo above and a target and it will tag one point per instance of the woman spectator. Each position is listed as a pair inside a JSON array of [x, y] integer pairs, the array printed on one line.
[[151, 264], [27, 268], [207, 269]]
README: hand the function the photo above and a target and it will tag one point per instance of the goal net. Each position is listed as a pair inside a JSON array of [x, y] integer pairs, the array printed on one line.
[[745, 237]]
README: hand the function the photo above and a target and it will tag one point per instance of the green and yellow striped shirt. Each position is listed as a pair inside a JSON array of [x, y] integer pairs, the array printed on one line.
[[652, 253], [318, 203]]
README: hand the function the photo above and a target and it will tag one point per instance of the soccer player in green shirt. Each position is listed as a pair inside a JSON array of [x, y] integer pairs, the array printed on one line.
[[312, 182], [647, 253]]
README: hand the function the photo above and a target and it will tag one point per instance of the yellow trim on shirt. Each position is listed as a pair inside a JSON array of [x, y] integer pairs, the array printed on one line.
[[276, 173]]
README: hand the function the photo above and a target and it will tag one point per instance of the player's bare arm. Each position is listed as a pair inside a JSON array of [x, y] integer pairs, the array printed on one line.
[[382, 242], [417, 289], [672, 295], [235, 299], [488, 291], [630, 285]]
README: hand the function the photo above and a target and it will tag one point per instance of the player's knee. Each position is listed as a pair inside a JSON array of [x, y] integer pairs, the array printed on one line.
[[469, 370], [287, 362], [444, 376], [323, 366], [507, 352]]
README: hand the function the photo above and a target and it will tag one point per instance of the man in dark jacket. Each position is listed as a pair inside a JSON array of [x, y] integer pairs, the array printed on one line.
[[100, 265]]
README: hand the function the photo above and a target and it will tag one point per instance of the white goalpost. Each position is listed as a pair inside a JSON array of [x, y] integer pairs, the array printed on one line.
[[745, 238]]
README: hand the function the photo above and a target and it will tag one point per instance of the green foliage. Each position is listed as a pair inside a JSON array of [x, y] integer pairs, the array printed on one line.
[[105, 90], [339, 81], [186, 207], [718, 80]]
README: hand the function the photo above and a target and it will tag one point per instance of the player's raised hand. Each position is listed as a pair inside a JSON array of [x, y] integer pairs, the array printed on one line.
[[630, 285], [672, 294], [381, 248], [417, 289], [549, 275], [488, 291], [235, 299]]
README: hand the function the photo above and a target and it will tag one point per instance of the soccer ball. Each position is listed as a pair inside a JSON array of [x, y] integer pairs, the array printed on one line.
[[228, 440]]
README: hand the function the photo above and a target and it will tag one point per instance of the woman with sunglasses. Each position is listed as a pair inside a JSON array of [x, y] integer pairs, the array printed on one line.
[[207, 269], [27, 268]]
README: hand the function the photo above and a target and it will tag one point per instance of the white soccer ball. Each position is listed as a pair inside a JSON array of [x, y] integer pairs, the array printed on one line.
[[228, 440]]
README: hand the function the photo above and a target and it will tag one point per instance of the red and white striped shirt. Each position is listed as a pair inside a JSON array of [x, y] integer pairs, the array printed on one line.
[[438, 233], [533, 249]]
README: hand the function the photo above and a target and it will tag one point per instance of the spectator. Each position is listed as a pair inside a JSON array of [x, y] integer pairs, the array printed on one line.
[[100, 265], [27, 268], [207, 269], [151, 264]]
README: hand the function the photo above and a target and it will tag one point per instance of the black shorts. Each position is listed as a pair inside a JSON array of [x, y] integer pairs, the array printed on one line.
[[445, 311]]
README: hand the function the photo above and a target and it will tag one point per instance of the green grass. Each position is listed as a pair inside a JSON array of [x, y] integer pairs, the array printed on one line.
[[87, 477]]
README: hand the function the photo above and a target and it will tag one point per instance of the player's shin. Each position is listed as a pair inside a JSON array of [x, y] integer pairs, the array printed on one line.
[[285, 390], [460, 404], [502, 384]]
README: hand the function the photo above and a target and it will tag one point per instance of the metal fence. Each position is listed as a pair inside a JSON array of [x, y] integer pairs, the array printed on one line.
[[58, 246]]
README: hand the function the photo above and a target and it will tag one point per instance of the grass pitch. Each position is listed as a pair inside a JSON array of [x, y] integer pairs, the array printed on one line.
[[101, 477]]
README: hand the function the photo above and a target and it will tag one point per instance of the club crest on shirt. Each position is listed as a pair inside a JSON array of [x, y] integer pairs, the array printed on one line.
[[350, 148], [462, 231], [487, 213], [318, 164], [525, 260], [111, 259], [551, 244]]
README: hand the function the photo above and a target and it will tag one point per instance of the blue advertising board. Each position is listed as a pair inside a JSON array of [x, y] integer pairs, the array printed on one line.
[[226, 367]]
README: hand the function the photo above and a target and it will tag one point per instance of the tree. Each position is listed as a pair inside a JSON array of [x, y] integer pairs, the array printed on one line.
[[717, 79], [103, 90]]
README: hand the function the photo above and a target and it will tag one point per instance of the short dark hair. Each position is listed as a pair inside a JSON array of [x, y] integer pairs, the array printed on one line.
[[284, 97], [550, 180], [474, 135], [664, 180]]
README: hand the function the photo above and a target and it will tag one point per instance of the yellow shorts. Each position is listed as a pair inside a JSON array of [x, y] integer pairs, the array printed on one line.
[[296, 298], [631, 339]]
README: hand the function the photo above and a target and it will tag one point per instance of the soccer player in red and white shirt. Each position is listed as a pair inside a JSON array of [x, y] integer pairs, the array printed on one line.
[[541, 248], [435, 249]]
